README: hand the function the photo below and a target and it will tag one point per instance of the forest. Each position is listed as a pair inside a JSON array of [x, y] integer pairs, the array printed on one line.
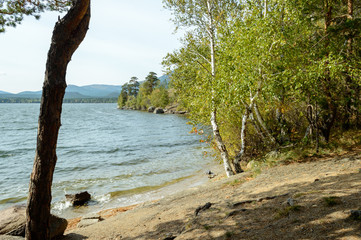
[[140, 95], [268, 75]]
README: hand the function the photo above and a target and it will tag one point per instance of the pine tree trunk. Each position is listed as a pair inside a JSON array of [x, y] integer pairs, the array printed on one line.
[[349, 16], [329, 117], [68, 33]]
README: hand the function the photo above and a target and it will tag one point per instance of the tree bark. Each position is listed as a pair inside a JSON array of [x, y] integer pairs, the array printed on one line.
[[217, 136], [220, 145], [350, 17], [68, 33], [329, 116], [237, 159]]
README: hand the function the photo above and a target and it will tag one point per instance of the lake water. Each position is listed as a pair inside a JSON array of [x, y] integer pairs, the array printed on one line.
[[120, 157]]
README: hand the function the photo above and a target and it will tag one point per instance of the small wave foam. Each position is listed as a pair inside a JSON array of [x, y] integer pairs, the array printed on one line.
[[61, 206], [102, 198]]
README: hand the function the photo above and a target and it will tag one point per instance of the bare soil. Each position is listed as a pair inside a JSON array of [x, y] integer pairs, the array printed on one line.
[[323, 191]]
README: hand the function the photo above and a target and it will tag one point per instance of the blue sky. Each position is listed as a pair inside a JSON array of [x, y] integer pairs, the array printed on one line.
[[126, 38]]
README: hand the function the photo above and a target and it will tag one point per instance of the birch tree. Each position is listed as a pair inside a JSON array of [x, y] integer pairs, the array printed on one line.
[[203, 17]]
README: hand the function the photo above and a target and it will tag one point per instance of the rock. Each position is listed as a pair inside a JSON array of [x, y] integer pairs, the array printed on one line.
[[78, 199], [91, 216], [180, 112], [169, 111], [87, 222], [291, 202], [170, 238], [158, 111], [57, 226], [8, 237], [89, 219], [13, 220], [151, 109], [355, 214]]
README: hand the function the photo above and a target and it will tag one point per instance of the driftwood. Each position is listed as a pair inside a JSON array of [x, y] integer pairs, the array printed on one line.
[[202, 208], [235, 212]]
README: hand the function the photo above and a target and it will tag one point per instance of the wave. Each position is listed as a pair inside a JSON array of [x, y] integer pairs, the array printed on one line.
[[13, 200], [90, 181], [175, 144], [131, 162], [144, 189]]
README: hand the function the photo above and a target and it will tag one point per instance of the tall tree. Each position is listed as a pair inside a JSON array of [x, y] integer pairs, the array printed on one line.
[[133, 86], [204, 16], [67, 35], [151, 81]]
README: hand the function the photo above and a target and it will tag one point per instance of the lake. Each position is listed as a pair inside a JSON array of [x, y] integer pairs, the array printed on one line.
[[120, 157]]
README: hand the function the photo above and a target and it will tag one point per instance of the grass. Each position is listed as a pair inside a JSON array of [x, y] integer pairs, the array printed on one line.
[[300, 194], [236, 182], [285, 212], [331, 201], [229, 234]]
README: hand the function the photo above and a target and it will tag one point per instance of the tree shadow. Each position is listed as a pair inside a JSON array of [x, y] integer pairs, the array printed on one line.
[[271, 218], [72, 236]]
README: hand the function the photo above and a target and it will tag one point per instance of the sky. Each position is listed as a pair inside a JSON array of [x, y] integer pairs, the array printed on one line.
[[126, 38]]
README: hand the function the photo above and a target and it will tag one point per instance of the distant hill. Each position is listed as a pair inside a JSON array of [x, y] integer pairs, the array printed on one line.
[[164, 80], [73, 91]]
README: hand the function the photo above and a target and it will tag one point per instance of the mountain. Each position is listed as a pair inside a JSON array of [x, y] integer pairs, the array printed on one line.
[[96, 90], [83, 92], [164, 80], [28, 94], [73, 91]]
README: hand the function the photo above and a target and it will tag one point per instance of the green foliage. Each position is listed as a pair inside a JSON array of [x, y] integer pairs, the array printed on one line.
[[299, 62], [159, 97], [141, 96], [129, 93], [151, 81], [12, 12]]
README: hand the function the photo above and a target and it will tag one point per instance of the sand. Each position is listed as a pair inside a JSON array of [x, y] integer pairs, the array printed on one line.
[[323, 192]]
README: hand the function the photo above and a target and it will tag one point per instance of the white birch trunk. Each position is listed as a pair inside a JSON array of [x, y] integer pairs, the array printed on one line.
[[217, 136], [265, 8], [238, 158], [220, 145]]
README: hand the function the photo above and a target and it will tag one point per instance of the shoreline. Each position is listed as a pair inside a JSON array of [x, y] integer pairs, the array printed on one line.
[[188, 182], [198, 178], [246, 207]]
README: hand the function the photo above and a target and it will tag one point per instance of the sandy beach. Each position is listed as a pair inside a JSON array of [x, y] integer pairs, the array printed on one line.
[[247, 206]]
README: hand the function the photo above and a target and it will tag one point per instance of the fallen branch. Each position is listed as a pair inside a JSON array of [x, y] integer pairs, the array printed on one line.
[[202, 208]]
